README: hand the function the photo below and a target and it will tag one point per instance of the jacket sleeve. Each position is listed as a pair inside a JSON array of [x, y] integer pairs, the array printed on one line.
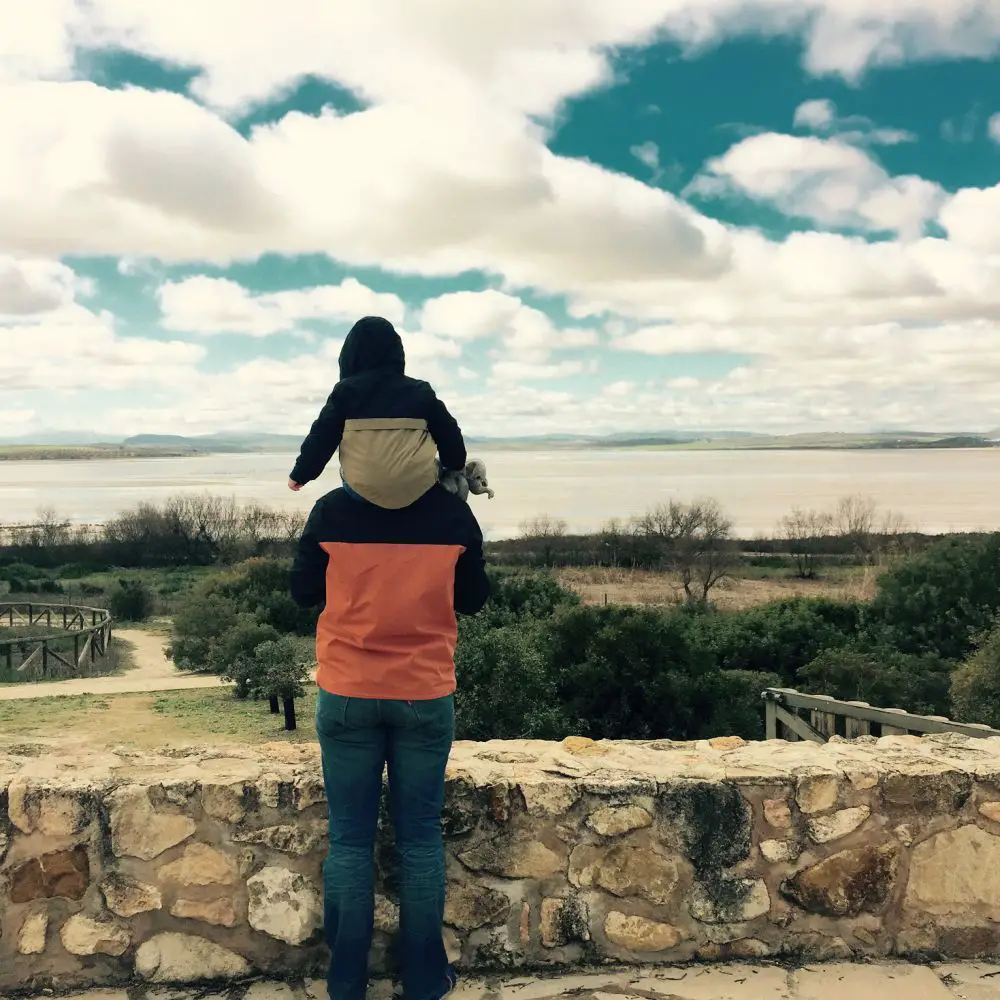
[[472, 585], [308, 577], [321, 442], [446, 433]]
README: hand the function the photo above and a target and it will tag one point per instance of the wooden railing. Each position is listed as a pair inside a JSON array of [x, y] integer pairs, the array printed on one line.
[[790, 715], [83, 639]]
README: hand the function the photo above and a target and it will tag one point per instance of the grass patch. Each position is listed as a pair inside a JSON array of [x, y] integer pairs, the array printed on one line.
[[166, 718], [50, 717], [216, 713]]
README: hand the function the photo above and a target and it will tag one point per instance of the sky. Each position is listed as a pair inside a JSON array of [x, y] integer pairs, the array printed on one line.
[[583, 216]]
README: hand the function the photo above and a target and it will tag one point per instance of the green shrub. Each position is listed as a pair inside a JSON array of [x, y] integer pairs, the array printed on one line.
[[50, 587], [505, 687], [77, 571], [975, 685], [885, 678], [21, 571], [517, 596], [278, 668], [131, 601], [625, 672], [255, 591], [939, 600], [778, 638], [232, 653], [729, 704]]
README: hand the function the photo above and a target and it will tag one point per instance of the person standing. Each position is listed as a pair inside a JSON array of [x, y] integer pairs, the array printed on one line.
[[391, 582]]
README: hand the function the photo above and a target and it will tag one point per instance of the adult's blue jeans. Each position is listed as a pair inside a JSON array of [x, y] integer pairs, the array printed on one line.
[[358, 738]]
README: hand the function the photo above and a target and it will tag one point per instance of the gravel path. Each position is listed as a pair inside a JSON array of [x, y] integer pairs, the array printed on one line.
[[152, 672]]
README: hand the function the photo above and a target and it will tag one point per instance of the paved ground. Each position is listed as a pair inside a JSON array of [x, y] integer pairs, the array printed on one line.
[[152, 672], [721, 982]]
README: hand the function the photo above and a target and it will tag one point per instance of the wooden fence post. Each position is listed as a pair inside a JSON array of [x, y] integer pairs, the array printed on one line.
[[770, 720]]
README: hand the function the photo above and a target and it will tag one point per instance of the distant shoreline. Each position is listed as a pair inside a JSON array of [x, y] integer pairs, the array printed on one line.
[[100, 452]]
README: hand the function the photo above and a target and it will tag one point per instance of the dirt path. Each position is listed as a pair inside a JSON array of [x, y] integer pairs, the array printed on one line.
[[152, 672]]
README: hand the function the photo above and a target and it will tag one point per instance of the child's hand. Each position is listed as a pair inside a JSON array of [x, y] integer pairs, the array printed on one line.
[[294, 486]]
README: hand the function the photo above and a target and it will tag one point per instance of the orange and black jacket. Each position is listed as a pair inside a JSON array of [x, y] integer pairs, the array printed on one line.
[[390, 428], [391, 583]]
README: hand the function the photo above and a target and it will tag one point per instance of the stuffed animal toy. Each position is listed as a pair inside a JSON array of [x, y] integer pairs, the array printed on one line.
[[473, 480]]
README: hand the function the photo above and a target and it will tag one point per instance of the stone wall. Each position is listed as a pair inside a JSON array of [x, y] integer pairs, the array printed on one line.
[[194, 864]]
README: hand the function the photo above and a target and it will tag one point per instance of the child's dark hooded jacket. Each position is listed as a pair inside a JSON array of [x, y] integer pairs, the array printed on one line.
[[389, 427]]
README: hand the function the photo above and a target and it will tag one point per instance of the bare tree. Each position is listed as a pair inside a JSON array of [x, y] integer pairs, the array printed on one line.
[[804, 531], [695, 541], [547, 531], [872, 535], [543, 526]]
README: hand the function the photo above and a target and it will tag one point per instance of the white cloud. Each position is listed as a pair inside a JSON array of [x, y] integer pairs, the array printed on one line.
[[75, 350], [825, 180], [817, 114], [971, 217], [202, 304], [964, 128], [648, 154], [994, 127], [821, 116], [520, 371], [527, 334], [469, 315], [529, 55], [423, 190], [32, 286], [51, 342], [447, 171]]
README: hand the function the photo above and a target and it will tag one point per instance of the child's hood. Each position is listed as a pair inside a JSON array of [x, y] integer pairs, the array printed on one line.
[[372, 345]]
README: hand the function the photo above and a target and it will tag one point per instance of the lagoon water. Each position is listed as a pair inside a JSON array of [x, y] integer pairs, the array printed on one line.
[[936, 491]]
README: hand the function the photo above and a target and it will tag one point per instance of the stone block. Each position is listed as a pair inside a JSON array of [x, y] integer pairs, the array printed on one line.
[[31, 937], [713, 822], [990, 810], [127, 897], [816, 793], [185, 958], [201, 864], [778, 813], [82, 935], [224, 802], [639, 935], [729, 900], [929, 794], [469, 906], [140, 831], [519, 856], [625, 870], [61, 873], [285, 905], [847, 883], [48, 811], [297, 839], [218, 912], [550, 798], [824, 829], [956, 873], [563, 921], [613, 821], [779, 851]]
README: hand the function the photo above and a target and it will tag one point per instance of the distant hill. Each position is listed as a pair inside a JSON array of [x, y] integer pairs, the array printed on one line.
[[85, 444], [218, 443]]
